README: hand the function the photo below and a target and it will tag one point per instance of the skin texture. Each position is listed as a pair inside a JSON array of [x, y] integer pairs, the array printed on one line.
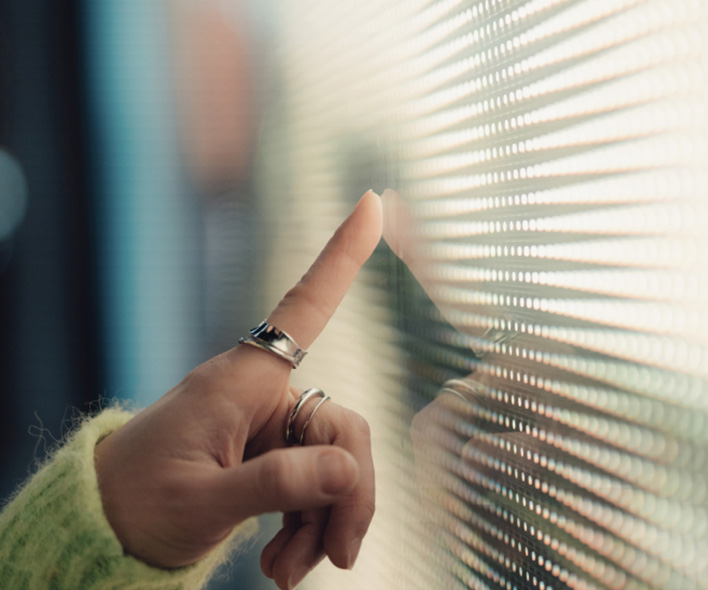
[[210, 453]]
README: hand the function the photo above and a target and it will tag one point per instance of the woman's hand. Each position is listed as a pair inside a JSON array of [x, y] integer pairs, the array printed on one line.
[[210, 453]]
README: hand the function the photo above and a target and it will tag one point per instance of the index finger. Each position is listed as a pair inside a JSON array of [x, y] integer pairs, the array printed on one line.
[[308, 306]]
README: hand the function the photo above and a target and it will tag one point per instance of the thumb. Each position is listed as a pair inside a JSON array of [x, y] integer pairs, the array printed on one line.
[[287, 480]]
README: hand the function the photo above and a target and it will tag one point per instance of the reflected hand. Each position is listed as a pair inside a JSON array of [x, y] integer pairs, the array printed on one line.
[[402, 233], [210, 453]]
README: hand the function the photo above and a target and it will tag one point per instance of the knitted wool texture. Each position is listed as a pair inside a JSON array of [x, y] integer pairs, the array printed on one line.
[[54, 535]]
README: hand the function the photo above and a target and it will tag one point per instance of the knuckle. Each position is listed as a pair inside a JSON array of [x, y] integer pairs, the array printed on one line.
[[201, 379], [195, 380], [360, 426], [350, 428], [420, 422], [210, 380], [368, 509]]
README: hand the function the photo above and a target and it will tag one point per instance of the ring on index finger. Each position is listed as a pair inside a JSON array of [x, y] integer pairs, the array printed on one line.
[[276, 341]]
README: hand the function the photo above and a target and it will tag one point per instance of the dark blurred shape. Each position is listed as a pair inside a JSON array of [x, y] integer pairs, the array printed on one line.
[[49, 359], [13, 200]]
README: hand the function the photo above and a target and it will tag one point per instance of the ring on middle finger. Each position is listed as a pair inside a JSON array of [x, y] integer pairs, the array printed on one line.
[[290, 437]]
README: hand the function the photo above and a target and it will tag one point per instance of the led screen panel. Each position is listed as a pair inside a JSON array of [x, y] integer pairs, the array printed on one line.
[[534, 365]]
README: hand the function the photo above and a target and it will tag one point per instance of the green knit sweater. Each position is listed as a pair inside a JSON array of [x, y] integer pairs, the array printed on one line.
[[54, 535]]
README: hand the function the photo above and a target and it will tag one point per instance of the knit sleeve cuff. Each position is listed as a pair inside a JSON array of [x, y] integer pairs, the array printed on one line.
[[54, 533]]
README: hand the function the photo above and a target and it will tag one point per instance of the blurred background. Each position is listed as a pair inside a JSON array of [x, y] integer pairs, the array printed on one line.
[[534, 372]]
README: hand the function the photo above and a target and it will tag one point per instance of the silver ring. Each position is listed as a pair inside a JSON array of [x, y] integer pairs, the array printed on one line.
[[495, 336], [465, 389], [306, 395], [274, 340], [309, 418]]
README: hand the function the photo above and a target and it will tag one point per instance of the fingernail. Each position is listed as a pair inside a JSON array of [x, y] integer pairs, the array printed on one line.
[[338, 472], [368, 194], [353, 553], [296, 577]]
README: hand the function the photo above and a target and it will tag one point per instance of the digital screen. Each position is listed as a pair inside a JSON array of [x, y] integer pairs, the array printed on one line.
[[534, 365]]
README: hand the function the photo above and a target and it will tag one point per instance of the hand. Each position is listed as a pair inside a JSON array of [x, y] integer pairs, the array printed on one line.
[[210, 453]]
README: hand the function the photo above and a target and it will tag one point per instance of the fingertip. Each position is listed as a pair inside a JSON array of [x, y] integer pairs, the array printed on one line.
[[343, 539], [388, 210], [390, 195], [395, 222], [338, 471], [391, 207], [269, 552], [371, 206], [370, 195], [353, 553], [301, 554], [266, 563], [291, 524]]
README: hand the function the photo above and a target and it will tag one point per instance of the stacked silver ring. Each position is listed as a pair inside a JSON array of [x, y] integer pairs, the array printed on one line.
[[290, 437]]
